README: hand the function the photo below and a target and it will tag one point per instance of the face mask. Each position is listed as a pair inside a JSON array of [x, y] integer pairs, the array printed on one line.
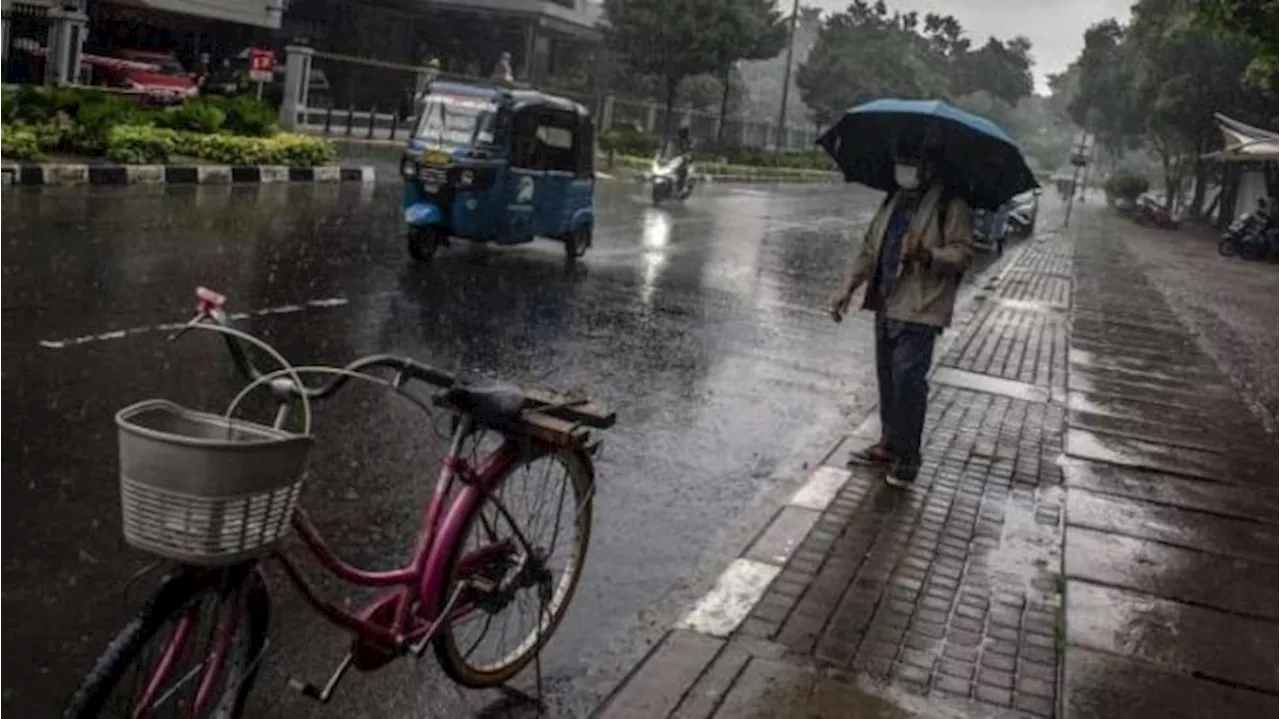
[[907, 176]]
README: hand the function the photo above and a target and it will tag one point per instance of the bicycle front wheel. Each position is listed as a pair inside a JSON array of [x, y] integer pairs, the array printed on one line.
[[511, 600], [163, 658]]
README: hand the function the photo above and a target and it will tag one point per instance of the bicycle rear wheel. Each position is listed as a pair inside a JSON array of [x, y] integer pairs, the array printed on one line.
[[178, 628], [501, 585]]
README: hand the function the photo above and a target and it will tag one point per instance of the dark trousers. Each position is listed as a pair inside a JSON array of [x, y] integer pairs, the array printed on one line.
[[904, 352]]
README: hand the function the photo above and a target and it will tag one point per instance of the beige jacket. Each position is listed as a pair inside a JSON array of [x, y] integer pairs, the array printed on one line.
[[924, 293]]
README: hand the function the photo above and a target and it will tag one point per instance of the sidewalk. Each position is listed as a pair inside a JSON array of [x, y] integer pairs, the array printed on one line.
[[1093, 534]]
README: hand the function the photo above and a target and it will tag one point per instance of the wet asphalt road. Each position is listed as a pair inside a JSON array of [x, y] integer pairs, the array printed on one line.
[[702, 325]]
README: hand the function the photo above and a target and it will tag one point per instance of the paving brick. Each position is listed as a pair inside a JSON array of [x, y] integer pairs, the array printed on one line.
[[951, 685], [659, 683], [1002, 662], [1036, 706], [711, 688], [922, 659], [962, 668], [800, 633], [960, 652], [1035, 687], [995, 678], [756, 627], [992, 695], [764, 681], [910, 673]]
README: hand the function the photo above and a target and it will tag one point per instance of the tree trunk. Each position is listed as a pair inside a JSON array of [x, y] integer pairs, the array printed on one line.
[[1166, 164], [724, 106], [1201, 174], [669, 102]]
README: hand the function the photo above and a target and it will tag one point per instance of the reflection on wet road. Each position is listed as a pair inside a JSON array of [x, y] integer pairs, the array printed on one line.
[[701, 324]]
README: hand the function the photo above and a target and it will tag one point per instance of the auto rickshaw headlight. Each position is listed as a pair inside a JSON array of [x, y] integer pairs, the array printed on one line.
[[408, 168], [466, 178]]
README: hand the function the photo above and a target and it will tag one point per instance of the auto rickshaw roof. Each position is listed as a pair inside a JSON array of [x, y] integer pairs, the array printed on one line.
[[522, 99], [519, 99]]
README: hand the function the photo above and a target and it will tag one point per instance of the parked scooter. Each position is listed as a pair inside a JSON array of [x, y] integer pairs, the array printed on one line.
[[665, 177], [1251, 239], [1148, 211]]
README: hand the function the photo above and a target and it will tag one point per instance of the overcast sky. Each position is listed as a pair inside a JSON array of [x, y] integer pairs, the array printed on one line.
[[1055, 27]]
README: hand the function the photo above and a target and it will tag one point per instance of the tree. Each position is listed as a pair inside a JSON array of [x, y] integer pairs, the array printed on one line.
[[1002, 69], [1254, 21], [862, 53], [1104, 102], [764, 78], [663, 38], [866, 52], [1159, 82], [744, 30]]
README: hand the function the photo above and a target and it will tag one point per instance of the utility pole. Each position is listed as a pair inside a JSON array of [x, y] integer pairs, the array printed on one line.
[[1079, 160], [786, 80]]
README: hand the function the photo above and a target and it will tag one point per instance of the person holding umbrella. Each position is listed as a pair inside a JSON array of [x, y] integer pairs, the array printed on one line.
[[936, 163]]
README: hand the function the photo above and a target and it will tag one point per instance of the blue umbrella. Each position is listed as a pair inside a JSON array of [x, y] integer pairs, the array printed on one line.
[[979, 160]]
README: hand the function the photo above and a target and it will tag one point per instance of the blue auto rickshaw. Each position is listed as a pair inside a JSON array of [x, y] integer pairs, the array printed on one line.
[[491, 164]]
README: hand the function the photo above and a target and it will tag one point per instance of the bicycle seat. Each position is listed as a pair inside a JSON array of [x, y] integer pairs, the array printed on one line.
[[497, 404]]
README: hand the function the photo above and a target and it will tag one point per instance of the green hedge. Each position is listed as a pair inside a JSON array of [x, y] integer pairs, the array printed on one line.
[[144, 144], [1126, 185], [87, 121], [20, 143], [724, 168], [630, 142]]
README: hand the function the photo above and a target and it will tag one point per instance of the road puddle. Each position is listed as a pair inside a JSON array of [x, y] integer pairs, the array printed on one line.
[[769, 689]]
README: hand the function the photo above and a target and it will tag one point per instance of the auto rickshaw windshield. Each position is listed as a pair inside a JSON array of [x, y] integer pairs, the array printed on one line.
[[456, 120]]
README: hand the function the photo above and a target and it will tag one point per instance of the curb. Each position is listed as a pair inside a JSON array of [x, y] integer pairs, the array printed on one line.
[[74, 174], [742, 585]]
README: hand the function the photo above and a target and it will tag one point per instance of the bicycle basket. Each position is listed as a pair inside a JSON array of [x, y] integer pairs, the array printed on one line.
[[204, 489]]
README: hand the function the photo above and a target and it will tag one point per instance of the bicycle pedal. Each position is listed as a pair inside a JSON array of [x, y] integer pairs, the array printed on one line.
[[482, 584], [306, 689], [311, 691]]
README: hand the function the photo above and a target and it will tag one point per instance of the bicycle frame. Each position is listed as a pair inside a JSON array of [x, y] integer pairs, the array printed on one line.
[[424, 578]]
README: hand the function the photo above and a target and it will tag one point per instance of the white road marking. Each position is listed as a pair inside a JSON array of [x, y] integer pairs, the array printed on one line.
[[738, 589], [821, 489], [322, 303]]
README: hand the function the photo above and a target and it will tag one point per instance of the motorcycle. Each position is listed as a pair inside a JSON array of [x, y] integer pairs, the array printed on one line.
[[1250, 239], [664, 178]]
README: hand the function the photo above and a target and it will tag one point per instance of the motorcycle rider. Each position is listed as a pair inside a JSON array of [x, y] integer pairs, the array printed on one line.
[[682, 148]]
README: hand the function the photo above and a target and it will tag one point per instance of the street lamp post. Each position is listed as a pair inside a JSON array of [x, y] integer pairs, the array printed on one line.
[[1079, 160], [786, 80]]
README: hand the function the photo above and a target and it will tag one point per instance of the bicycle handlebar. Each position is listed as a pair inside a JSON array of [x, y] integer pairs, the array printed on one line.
[[210, 308]]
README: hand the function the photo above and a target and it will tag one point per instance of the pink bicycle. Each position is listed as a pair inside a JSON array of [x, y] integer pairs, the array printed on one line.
[[216, 494]]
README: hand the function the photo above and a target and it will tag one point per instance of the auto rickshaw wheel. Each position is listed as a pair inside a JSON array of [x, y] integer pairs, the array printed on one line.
[[577, 242], [424, 241]]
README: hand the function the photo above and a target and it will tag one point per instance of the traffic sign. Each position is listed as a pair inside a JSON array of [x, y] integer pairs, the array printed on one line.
[[262, 64]]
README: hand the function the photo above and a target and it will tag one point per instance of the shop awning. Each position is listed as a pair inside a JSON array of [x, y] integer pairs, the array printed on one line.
[[1245, 143]]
